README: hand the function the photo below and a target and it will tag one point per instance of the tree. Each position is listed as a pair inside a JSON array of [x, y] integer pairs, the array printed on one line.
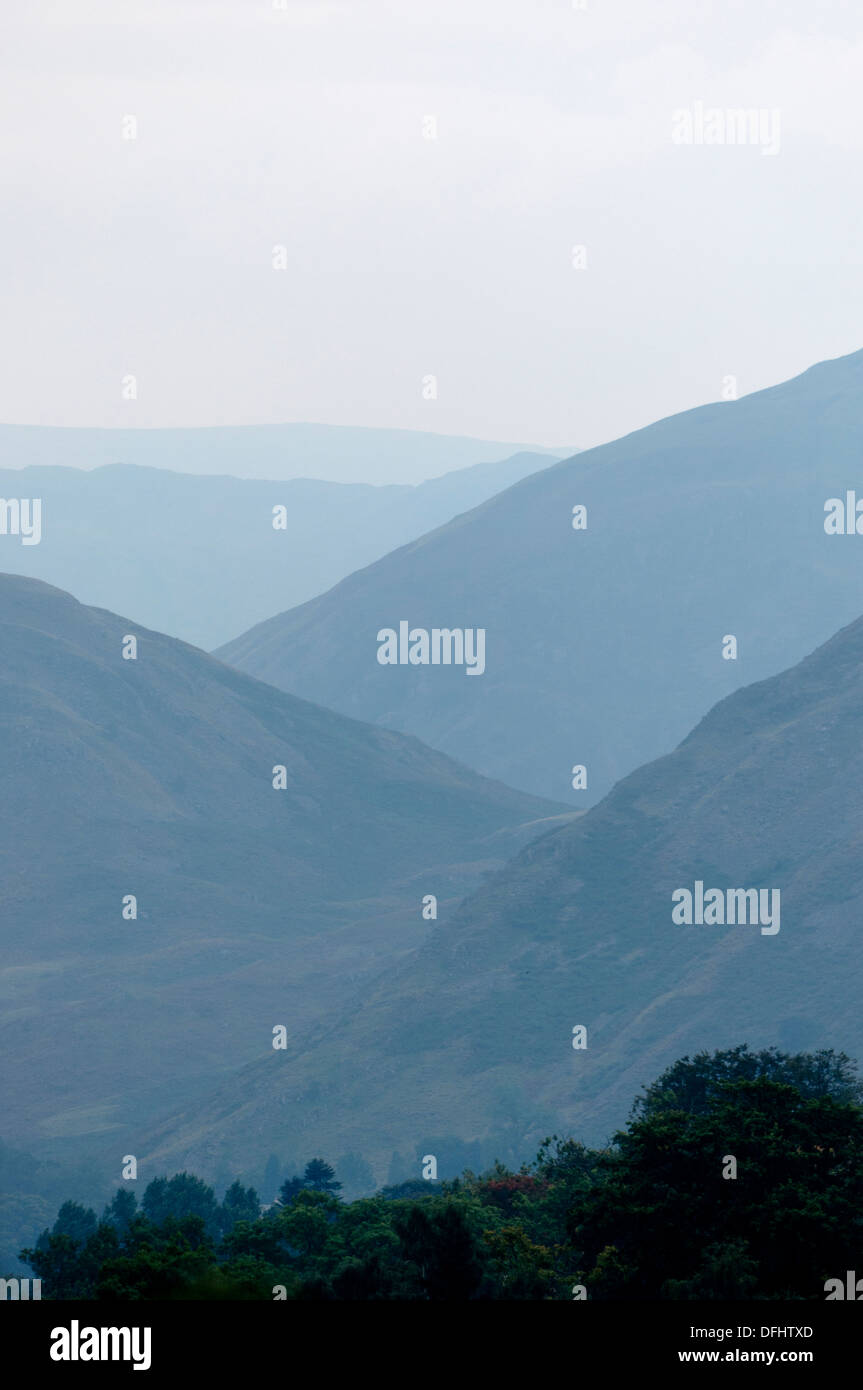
[[524, 1269], [454, 1270], [305, 1226], [439, 1242], [289, 1190], [178, 1197], [239, 1204], [692, 1084], [75, 1221], [419, 1189], [68, 1268], [320, 1177], [159, 1264], [121, 1210], [56, 1260], [663, 1221]]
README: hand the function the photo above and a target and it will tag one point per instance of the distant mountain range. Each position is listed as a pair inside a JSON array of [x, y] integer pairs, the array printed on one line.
[[604, 644], [473, 1036], [199, 557], [153, 778], [333, 453]]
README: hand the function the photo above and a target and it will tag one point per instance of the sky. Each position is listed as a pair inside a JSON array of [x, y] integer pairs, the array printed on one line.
[[423, 171]]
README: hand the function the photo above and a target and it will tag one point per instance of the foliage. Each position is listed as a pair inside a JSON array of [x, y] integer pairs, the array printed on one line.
[[656, 1215]]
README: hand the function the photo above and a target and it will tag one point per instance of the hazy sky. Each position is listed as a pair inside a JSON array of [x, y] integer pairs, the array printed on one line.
[[305, 127]]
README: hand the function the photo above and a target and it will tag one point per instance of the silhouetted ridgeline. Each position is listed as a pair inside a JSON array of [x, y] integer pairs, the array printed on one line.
[[202, 558], [604, 644]]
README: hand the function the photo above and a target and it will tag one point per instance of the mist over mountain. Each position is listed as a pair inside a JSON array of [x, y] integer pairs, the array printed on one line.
[[474, 1036], [605, 644], [203, 557], [155, 778], [334, 453]]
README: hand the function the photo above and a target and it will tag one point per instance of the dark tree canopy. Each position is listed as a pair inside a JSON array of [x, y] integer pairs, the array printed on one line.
[[739, 1175], [692, 1084], [664, 1221], [178, 1197]]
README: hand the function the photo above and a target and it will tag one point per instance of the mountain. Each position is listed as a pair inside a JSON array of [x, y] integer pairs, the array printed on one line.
[[199, 558], [604, 645], [338, 453], [154, 777], [472, 1038]]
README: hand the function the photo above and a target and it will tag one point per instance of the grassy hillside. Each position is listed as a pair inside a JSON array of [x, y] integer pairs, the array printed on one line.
[[473, 1036], [255, 907], [604, 645]]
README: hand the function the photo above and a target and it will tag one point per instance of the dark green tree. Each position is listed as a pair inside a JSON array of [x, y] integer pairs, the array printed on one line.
[[440, 1244], [68, 1268], [320, 1177], [175, 1198], [75, 1221], [663, 1222], [161, 1264], [56, 1260], [290, 1189], [121, 1210], [238, 1204], [692, 1083]]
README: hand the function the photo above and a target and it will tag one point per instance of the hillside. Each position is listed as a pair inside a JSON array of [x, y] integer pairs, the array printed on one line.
[[200, 558], [153, 777], [333, 453], [472, 1037], [604, 645]]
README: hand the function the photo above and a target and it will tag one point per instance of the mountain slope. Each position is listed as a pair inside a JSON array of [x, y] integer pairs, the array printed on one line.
[[337, 453], [153, 777], [604, 645], [472, 1037], [199, 557]]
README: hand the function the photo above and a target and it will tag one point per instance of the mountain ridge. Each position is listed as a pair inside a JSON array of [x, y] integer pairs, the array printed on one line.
[[604, 645], [203, 557], [327, 452], [154, 778], [471, 1037]]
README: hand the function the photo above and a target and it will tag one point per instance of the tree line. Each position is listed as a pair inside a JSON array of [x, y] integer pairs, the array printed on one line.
[[660, 1213]]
